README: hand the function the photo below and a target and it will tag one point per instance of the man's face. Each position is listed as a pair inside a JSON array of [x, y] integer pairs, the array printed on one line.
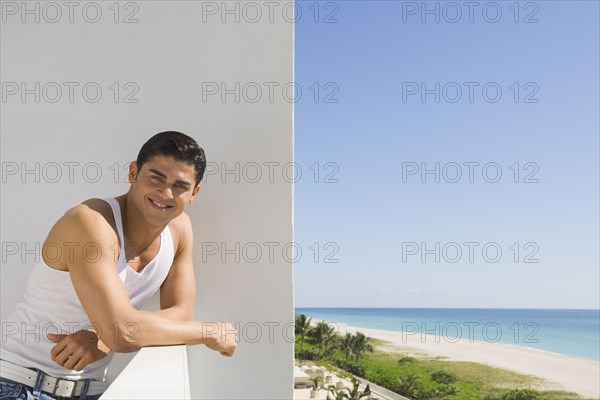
[[163, 187]]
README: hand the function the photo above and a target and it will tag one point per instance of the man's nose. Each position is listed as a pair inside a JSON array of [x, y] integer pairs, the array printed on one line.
[[166, 190]]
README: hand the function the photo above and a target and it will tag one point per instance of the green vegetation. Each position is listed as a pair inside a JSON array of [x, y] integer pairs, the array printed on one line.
[[416, 377], [353, 393], [523, 394]]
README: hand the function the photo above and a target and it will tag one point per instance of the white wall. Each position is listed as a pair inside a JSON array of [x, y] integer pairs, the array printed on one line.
[[160, 61]]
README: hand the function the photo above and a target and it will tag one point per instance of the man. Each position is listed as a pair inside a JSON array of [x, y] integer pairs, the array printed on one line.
[[100, 263]]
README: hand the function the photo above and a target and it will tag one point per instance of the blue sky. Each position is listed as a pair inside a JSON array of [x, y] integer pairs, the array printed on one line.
[[378, 129]]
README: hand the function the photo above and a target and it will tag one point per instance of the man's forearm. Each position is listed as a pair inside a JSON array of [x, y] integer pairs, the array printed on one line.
[[154, 329]]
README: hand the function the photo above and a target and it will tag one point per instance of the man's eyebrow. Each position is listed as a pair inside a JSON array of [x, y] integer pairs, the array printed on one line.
[[157, 172]]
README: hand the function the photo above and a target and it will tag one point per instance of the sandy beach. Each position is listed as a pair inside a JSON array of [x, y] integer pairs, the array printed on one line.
[[561, 372]]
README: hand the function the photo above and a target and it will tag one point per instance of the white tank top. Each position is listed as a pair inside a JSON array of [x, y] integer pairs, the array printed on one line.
[[51, 305]]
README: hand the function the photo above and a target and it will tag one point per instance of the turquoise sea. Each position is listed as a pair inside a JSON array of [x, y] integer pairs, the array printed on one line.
[[570, 332]]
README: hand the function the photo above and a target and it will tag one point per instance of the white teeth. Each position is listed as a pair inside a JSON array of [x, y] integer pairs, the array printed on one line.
[[159, 205]]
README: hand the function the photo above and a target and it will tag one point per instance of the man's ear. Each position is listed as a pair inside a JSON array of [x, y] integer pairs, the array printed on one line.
[[133, 171], [195, 192]]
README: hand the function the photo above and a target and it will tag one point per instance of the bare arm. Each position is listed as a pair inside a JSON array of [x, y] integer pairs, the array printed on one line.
[[119, 325], [178, 291]]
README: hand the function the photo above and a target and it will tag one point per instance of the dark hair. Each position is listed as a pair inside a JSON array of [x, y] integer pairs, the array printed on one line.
[[177, 145]]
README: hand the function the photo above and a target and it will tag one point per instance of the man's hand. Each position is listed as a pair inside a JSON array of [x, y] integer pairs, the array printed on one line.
[[222, 338], [78, 349]]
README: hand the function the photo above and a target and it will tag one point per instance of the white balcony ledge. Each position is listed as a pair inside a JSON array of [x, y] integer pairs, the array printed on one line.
[[154, 373]]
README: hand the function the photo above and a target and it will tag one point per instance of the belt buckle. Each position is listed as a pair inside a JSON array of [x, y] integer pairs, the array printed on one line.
[[68, 380]]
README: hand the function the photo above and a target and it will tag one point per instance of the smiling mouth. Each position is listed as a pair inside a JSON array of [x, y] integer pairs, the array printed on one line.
[[159, 206]]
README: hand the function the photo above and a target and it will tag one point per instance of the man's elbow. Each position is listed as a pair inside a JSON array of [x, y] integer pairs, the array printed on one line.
[[122, 338], [123, 347]]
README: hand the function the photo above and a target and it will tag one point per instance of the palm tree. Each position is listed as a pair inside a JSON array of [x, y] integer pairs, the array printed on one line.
[[324, 337], [339, 394], [410, 386], [361, 345], [302, 329], [316, 382], [356, 394], [347, 344], [350, 394]]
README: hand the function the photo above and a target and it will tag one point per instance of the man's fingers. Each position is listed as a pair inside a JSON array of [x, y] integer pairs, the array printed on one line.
[[55, 338], [58, 348], [71, 361], [227, 353], [62, 357], [63, 353], [81, 364], [76, 350]]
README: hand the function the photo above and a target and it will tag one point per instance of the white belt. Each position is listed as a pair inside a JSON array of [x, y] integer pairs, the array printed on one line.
[[55, 386]]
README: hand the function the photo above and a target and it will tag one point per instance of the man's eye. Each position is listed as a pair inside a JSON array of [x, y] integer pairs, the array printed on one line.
[[156, 178]]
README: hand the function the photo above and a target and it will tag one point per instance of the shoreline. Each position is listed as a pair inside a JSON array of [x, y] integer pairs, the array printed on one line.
[[561, 372]]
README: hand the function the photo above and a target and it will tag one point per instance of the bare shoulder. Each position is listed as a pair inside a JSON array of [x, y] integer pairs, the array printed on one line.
[[90, 211], [86, 222], [181, 230], [91, 215]]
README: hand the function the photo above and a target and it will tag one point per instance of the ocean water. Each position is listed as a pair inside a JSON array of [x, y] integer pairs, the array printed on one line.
[[570, 332]]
